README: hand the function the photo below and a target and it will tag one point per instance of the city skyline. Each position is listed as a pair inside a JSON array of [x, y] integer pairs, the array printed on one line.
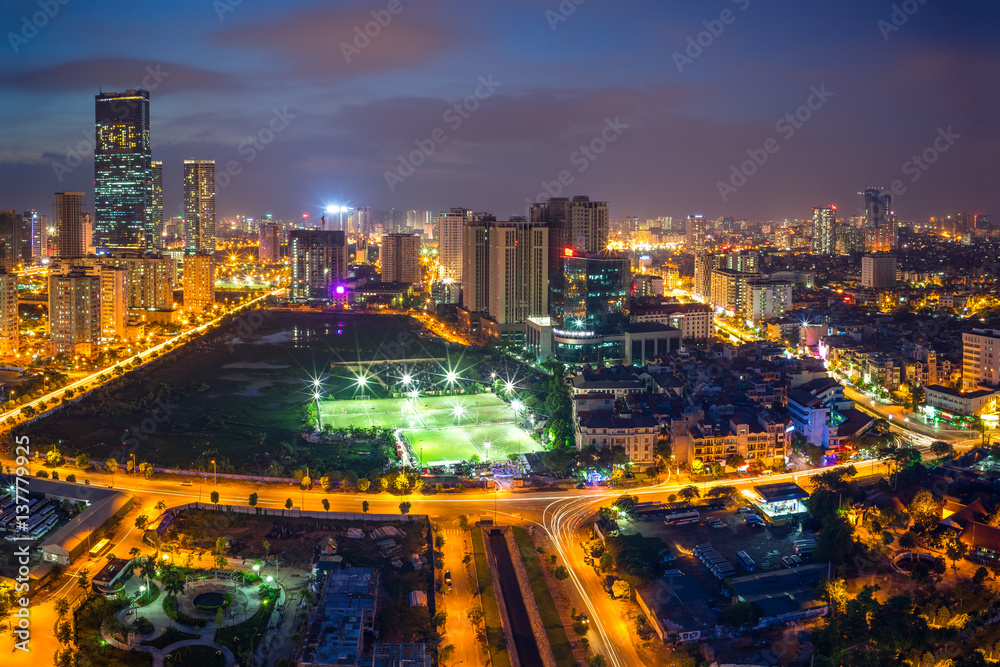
[[675, 120]]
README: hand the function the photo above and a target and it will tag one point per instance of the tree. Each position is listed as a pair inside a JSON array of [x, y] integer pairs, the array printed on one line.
[[560, 573], [173, 582], [288, 506], [475, 615], [82, 461], [364, 506], [363, 484], [147, 568], [925, 511], [446, 653], [219, 617], [62, 608], [160, 505], [402, 482], [404, 507], [581, 628], [727, 493], [735, 460], [956, 550], [53, 457], [439, 542], [742, 614], [326, 504], [146, 469], [252, 500], [439, 619], [620, 589], [324, 483], [626, 502], [111, 467], [214, 497], [598, 661], [141, 521], [942, 449], [267, 548], [605, 562], [689, 493], [83, 579]]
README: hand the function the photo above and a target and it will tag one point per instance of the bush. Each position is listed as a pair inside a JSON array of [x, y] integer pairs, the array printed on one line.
[[142, 626], [42, 473], [71, 477], [170, 609]]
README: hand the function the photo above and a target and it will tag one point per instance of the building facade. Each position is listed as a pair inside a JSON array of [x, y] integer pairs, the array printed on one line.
[[9, 330], [122, 171], [156, 203], [199, 282], [824, 227], [451, 242], [980, 358], [199, 205], [75, 313], [401, 258], [319, 262], [269, 246], [68, 218], [878, 270]]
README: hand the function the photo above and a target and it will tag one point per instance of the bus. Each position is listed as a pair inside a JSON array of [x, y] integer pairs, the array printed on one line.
[[43, 527], [747, 562], [682, 519], [99, 549]]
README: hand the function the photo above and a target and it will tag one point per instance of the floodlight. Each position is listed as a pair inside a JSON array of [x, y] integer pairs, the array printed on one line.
[[316, 395], [452, 377], [407, 379], [517, 406], [508, 386], [362, 380]]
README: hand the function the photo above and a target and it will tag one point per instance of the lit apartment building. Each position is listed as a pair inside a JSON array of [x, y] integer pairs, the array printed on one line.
[[75, 313], [400, 258], [199, 282], [269, 248], [693, 319], [730, 290], [768, 299], [451, 242], [980, 359], [114, 302], [763, 439], [637, 435], [9, 334], [878, 270], [319, 261], [824, 239]]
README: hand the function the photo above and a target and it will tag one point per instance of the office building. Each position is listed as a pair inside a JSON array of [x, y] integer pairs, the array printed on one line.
[[199, 205], [37, 223], [319, 262], [879, 224], [9, 335], [648, 285], [199, 282], [696, 233], [75, 312], [505, 278], [68, 218], [401, 258], [768, 299], [579, 224], [156, 203], [451, 241], [596, 292], [122, 171], [824, 226], [744, 261], [878, 270], [980, 359], [704, 264], [269, 247]]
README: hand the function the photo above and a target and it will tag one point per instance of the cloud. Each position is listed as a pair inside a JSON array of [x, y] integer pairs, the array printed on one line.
[[313, 42], [119, 74]]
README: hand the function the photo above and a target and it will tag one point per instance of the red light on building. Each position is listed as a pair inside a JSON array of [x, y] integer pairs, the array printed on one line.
[[833, 206], [568, 252]]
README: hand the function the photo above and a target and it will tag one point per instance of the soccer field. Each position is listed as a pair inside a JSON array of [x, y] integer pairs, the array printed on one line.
[[453, 444], [425, 412]]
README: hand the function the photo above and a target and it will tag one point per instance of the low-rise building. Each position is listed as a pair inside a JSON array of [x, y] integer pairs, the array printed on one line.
[[636, 434], [959, 403]]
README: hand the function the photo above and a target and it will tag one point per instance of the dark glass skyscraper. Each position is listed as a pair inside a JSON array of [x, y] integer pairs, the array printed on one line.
[[596, 292], [123, 172]]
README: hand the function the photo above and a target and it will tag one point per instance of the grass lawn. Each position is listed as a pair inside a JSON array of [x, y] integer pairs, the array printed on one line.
[[491, 613], [543, 598], [169, 636], [203, 656], [424, 412], [461, 444]]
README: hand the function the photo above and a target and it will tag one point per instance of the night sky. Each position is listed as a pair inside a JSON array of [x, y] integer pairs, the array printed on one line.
[[223, 75]]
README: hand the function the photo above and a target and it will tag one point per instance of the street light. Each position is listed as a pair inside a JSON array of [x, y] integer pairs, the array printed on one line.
[[215, 473]]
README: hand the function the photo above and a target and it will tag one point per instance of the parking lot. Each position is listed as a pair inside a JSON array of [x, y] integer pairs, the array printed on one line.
[[766, 545]]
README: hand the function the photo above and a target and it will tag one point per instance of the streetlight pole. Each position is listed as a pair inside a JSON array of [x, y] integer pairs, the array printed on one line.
[[215, 473]]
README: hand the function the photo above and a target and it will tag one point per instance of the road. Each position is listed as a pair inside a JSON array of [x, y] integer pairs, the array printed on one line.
[[144, 356], [458, 597]]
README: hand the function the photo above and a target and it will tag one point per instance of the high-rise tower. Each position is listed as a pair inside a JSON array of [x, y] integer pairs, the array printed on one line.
[[156, 203], [824, 237], [122, 171], [68, 218], [199, 205]]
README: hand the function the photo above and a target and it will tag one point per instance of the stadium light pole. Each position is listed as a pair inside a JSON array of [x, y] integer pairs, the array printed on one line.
[[451, 377], [319, 418]]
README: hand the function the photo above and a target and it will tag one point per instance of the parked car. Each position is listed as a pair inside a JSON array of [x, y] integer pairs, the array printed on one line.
[[187, 484], [447, 577], [745, 510]]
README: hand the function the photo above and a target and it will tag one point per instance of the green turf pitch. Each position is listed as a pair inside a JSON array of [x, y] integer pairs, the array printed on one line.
[[452, 444], [424, 412]]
